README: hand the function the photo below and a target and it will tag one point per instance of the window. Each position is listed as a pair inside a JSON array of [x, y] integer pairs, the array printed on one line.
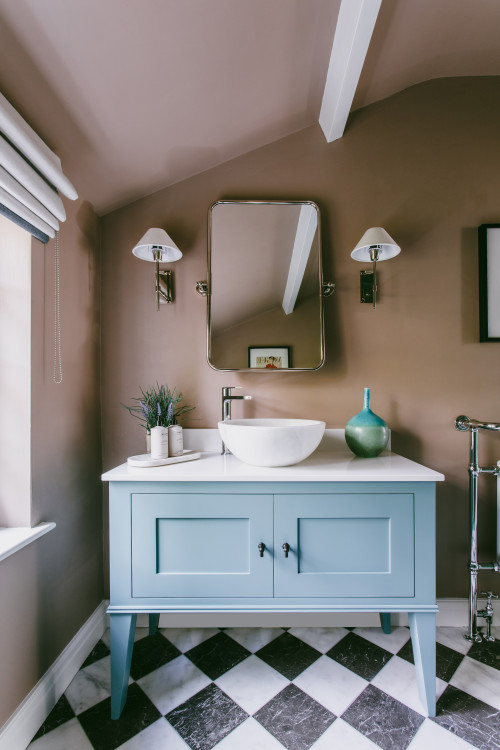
[[15, 375]]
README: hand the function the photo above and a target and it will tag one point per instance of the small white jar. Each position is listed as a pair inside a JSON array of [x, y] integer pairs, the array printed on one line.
[[159, 442], [175, 440]]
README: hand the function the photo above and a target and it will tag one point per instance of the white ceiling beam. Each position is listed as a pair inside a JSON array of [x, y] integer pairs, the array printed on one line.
[[353, 33]]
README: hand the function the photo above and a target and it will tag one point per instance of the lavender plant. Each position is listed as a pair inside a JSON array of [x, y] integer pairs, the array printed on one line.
[[158, 405]]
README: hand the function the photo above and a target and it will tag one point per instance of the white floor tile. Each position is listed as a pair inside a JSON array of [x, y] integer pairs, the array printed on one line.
[[68, 735], [453, 638], [187, 638], [331, 684], [340, 735], [398, 678], [392, 642], [321, 639], [91, 685], [479, 680], [251, 684], [431, 735], [173, 683], [158, 736], [250, 735], [254, 638]]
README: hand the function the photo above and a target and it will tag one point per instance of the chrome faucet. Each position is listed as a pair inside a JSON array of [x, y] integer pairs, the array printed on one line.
[[227, 397]]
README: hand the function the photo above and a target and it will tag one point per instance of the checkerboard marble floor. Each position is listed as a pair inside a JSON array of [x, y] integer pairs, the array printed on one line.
[[265, 689]]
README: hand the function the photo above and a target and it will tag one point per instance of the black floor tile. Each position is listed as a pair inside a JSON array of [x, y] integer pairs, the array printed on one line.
[[288, 655], [217, 655], [60, 714], [294, 718], [382, 719], [469, 718], [447, 659], [108, 734], [406, 652], [364, 658], [447, 662], [99, 651], [150, 653], [487, 652], [206, 718]]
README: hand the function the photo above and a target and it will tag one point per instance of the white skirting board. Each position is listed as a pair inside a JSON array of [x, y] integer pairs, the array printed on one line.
[[19, 730]]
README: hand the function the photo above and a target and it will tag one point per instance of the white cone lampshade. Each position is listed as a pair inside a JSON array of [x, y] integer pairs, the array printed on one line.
[[157, 240], [379, 238]]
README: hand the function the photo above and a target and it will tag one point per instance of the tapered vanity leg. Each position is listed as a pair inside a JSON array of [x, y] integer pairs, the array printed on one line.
[[122, 629], [385, 622], [423, 638], [154, 619]]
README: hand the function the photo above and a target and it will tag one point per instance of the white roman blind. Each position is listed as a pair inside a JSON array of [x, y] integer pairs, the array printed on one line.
[[31, 177]]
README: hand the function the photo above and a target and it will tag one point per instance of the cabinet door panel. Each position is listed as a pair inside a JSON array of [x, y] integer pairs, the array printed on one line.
[[359, 545], [326, 545], [201, 545]]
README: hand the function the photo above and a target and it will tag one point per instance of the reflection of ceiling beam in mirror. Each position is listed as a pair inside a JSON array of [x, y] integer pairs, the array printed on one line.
[[306, 229], [252, 244], [353, 33]]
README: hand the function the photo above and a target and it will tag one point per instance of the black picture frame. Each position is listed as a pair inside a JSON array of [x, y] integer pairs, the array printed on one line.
[[489, 279]]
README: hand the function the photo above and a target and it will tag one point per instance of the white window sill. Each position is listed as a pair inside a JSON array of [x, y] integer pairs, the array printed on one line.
[[13, 539]]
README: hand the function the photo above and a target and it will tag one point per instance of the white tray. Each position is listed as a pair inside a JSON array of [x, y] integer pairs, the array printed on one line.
[[145, 461]]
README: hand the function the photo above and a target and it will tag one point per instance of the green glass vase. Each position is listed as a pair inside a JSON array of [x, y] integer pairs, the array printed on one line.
[[366, 434]]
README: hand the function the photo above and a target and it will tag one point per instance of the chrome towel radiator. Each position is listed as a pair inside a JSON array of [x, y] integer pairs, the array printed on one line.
[[465, 424]]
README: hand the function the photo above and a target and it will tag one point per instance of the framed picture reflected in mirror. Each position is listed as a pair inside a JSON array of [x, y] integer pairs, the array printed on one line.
[[269, 357]]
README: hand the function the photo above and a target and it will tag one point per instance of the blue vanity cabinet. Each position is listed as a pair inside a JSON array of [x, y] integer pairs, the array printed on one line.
[[241, 546]]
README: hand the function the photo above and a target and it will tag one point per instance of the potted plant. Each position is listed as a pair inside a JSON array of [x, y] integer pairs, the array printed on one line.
[[158, 405]]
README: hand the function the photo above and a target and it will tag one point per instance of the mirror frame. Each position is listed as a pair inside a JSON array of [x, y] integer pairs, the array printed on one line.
[[320, 285]]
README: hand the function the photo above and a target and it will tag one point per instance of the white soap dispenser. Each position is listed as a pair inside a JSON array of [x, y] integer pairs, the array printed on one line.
[[175, 438], [159, 439]]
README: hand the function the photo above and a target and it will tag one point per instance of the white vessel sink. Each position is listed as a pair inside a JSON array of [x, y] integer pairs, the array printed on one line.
[[271, 442]]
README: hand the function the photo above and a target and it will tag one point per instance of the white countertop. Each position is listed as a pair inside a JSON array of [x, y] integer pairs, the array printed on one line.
[[322, 466]]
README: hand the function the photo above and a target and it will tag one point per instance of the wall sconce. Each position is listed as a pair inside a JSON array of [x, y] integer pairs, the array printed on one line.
[[375, 245], [156, 246]]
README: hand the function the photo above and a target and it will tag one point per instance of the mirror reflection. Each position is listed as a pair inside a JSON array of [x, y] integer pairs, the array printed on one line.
[[265, 306]]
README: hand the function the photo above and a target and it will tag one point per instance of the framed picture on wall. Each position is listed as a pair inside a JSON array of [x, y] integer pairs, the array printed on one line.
[[489, 282], [269, 357]]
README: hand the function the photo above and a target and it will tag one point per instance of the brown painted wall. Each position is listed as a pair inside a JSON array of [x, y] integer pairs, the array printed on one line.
[[50, 588], [425, 165]]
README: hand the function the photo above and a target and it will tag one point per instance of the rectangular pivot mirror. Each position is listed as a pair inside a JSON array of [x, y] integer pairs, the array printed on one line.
[[265, 309]]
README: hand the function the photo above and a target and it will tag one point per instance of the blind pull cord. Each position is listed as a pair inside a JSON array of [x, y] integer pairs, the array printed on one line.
[[58, 376]]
